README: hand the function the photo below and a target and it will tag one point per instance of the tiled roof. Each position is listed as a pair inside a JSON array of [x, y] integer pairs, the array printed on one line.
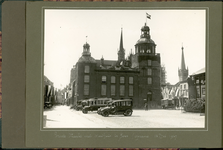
[[106, 62]]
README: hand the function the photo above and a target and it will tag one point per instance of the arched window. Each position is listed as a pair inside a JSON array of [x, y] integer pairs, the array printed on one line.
[[122, 79], [103, 79]]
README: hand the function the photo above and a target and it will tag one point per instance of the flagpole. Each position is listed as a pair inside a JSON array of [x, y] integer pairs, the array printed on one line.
[[146, 18]]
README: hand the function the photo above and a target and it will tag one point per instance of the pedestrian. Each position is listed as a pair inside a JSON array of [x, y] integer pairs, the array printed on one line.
[[146, 106]]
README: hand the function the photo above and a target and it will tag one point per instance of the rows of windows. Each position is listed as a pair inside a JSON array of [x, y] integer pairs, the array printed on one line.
[[86, 80], [144, 49], [113, 90], [113, 79]]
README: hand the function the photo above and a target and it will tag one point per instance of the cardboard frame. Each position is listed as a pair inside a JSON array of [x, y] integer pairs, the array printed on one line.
[[35, 137]]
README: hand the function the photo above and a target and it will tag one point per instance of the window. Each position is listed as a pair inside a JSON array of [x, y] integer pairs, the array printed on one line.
[[112, 79], [130, 80], [148, 51], [103, 89], [198, 92], [103, 79], [130, 90], [202, 81], [86, 78], [122, 90], [185, 93], [203, 91], [184, 86], [112, 90], [122, 79], [86, 89], [149, 62], [149, 72], [122, 103], [149, 80], [86, 69], [128, 103]]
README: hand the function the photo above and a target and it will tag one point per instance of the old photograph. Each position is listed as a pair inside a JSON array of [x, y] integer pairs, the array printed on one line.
[[124, 68]]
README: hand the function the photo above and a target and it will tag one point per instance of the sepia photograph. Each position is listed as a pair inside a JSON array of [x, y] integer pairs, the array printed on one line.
[[124, 68]]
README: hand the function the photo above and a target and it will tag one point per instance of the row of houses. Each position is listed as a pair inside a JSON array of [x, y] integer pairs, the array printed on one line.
[[50, 93], [193, 87]]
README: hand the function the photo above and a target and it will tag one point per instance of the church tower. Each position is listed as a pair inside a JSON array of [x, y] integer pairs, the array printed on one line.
[[147, 61], [121, 52], [182, 72]]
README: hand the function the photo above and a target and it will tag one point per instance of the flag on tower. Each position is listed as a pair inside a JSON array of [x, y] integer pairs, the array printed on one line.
[[148, 16]]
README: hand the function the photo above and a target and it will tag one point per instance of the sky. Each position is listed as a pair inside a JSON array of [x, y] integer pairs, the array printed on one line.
[[67, 30]]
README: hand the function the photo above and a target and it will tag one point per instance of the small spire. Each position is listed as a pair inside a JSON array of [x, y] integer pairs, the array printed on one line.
[[183, 67], [86, 39], [121, 52]]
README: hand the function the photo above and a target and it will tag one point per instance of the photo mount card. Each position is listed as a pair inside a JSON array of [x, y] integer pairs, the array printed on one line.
[[118, 137]]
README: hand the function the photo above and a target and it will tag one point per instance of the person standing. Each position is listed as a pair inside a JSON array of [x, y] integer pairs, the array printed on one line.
[[146, 106]]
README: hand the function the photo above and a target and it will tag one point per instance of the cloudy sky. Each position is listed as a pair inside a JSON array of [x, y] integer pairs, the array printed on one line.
[[65, 32]]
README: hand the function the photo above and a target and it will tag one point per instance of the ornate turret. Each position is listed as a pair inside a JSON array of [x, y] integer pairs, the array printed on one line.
[[86, 50], [145, 45], [86, 55]]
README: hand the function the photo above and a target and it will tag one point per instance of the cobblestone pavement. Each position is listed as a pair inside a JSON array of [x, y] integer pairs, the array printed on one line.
[[64, 117]]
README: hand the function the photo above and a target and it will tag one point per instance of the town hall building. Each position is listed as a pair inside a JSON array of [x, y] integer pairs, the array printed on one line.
[[136, 76]]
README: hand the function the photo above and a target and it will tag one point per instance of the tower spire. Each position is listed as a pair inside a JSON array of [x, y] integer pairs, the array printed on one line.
[[183, 66], [182, 72], [121, 52], [121, 42]]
